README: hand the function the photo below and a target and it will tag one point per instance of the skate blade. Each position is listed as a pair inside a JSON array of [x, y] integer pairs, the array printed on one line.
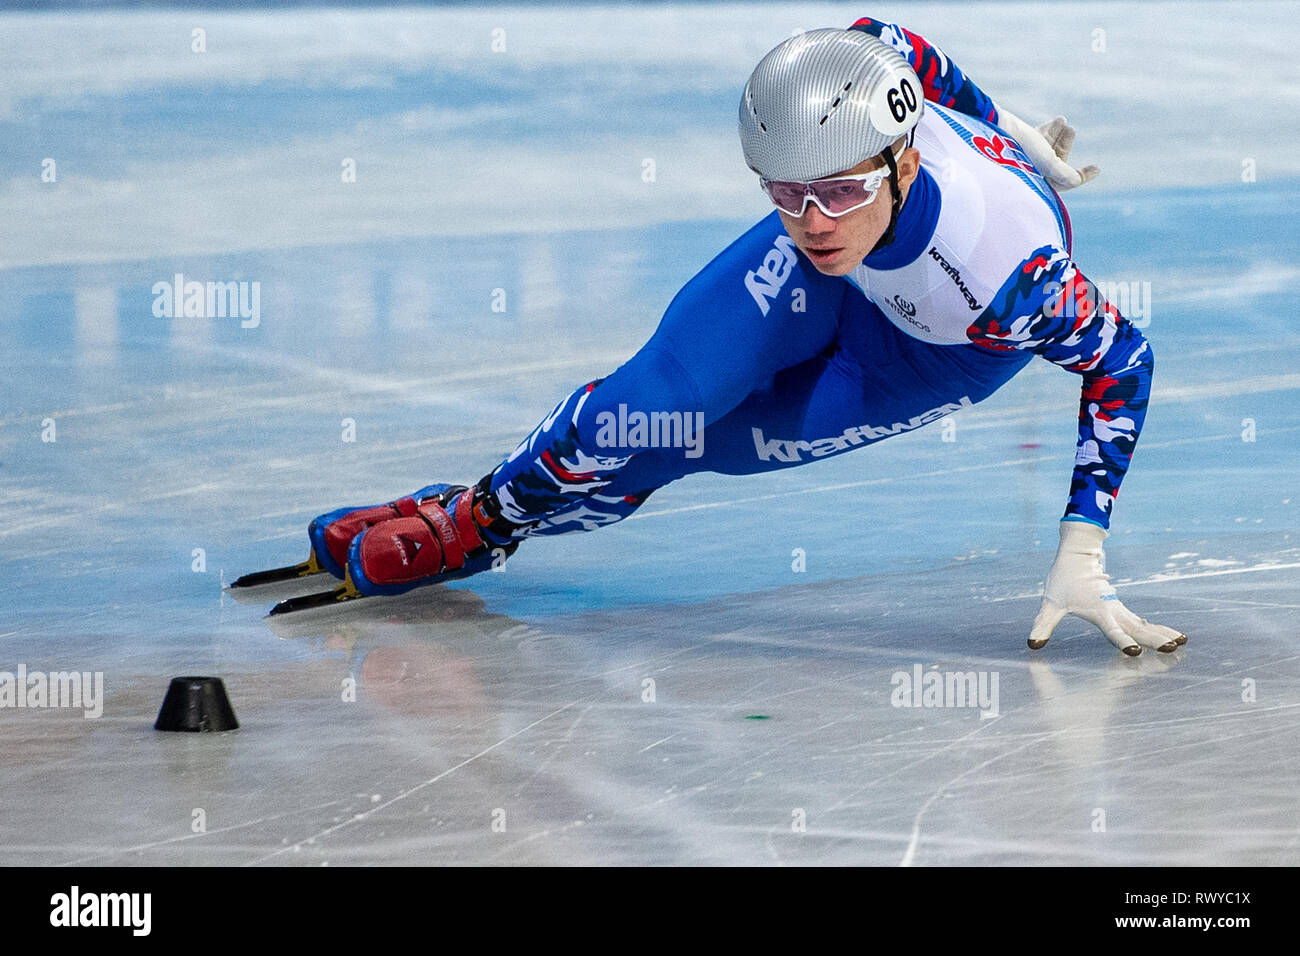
[[277, 575], [306, 602]]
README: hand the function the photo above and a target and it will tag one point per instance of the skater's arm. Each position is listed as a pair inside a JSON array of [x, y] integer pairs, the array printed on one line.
[[1049, 307], [942, 81], [1048, 146]]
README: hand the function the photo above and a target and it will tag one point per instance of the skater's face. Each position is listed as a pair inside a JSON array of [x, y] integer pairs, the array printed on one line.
[[836, 246]]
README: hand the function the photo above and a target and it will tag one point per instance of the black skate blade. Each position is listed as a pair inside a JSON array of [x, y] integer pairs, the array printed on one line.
[[275, 575], [305, 602]]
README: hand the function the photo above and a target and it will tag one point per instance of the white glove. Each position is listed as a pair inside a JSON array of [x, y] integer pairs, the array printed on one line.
[[1048, 148], [1078, 584]]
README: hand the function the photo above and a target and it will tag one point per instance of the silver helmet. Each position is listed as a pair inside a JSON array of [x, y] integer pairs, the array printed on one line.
[[823, 101]]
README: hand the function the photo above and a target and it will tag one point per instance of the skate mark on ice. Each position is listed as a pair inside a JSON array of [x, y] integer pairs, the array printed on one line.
[[1121, 760], [356, 384], [950, 745], [555, 748], [661, 740], [909, 854], [1222, 600], [110, 854], [360, 817], [1165, 577]]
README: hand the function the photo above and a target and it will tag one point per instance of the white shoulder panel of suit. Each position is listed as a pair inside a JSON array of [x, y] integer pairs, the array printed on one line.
[[993, 215]]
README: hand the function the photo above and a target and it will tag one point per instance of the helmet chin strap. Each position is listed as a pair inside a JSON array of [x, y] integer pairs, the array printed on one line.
[[896, 203]]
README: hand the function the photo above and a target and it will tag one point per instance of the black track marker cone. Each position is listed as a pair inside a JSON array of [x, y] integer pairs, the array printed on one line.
[[196, 704]]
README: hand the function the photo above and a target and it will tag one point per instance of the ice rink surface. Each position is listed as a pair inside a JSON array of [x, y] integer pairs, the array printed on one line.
[[671, 689]]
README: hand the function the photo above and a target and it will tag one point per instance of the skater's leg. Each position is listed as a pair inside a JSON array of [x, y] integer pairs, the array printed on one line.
[[575, 472], [755, 309], [827, 405], [873, 382]]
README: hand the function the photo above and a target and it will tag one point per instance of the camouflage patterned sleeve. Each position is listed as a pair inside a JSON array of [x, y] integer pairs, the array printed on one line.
[[1049, 307], [943, 82]]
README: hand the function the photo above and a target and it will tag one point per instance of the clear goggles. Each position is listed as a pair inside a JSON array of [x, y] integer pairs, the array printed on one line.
[[835, 197]]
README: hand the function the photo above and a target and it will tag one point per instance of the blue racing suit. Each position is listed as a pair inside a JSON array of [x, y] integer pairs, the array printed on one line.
[[761, 362]]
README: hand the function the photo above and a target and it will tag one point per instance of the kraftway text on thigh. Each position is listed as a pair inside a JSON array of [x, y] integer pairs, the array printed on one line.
[[784, 449]]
